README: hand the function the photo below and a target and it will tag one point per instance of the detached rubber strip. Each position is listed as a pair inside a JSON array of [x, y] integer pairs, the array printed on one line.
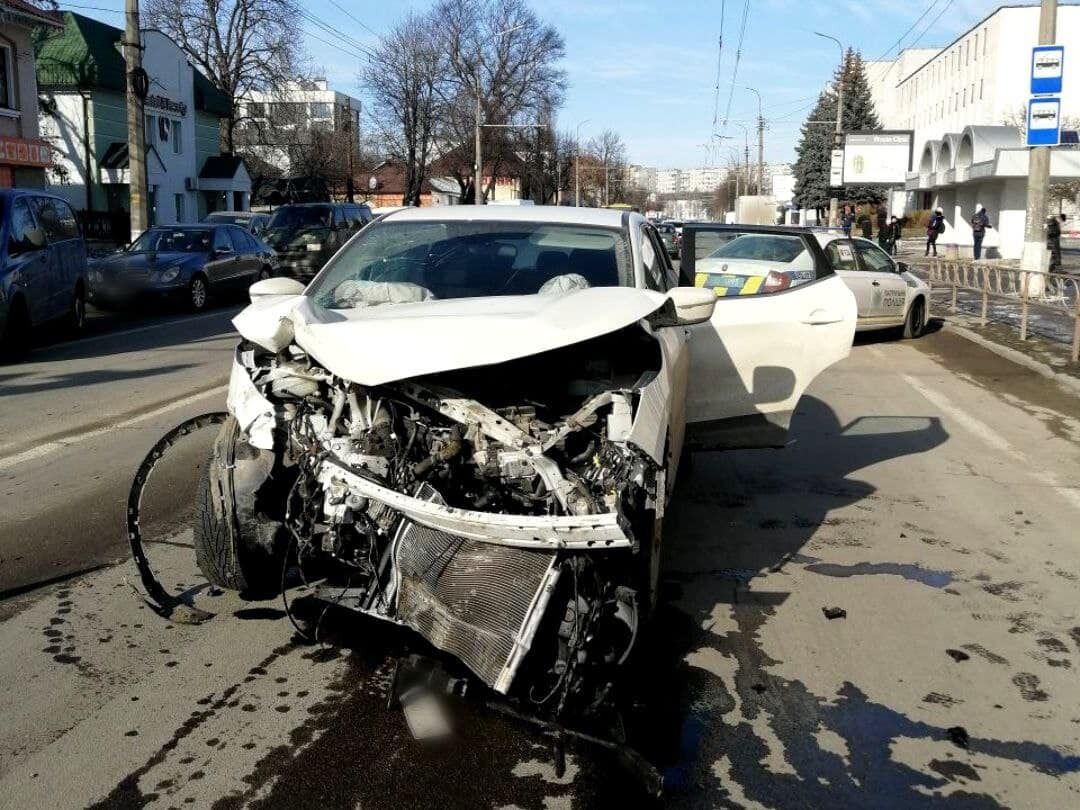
[[161, 601]]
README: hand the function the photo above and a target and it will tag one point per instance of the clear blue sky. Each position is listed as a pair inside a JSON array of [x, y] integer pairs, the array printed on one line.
[[648, 69]]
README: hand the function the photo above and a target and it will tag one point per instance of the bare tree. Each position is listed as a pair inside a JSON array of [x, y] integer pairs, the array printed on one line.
[[609, 156], [502, 52], [239, 45], [405, 77]]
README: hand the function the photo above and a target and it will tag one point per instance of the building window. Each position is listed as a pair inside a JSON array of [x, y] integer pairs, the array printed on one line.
[[179, 201], [7, 83], [976, 46], [965, 97], [320, 109], [986, 38], [177, 139], [980, 89]]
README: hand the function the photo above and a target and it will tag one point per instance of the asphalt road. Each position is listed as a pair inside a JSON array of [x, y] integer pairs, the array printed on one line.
[[78, 417], [930, 491]]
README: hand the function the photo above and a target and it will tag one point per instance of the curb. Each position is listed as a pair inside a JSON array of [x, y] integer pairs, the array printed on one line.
[[1070, 383]]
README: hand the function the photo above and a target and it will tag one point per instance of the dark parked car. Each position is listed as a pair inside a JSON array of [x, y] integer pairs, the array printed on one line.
[[42, 266], [251, 221], [306, 235], [184, 262]]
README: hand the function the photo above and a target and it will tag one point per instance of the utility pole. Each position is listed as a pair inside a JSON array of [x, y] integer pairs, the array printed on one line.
[[834, 202], [1035, 256], [478, 176], [350, 192], [136, 126], [760, 142], [577, 164]]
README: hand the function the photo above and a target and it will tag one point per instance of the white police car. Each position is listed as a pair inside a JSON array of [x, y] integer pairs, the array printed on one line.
[[737, 261]]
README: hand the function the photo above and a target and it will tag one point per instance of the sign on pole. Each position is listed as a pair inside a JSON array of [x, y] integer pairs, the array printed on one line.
[[1044, 122], [836, 170], [1047, 63], [877, 158]]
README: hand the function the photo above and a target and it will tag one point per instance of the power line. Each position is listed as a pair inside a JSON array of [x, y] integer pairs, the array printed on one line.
[[910, 29], [94, 8], [345, 38], [356, 20], [738, 58], [719, 56], [918, 39]]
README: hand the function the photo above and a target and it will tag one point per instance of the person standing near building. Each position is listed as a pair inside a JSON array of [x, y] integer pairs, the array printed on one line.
[[895, 231], [882, 228], [1053, 241], [846, 221], [979, 223], [934, 228], [866, 225]]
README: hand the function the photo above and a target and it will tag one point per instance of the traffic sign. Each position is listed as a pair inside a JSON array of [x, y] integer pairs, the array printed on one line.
[[836, 169], [1044, 122], [1047, 63]]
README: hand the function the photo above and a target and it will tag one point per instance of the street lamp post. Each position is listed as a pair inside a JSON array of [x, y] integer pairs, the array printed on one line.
[[760, 143], [577, 164], [834, 202], [478, 180]]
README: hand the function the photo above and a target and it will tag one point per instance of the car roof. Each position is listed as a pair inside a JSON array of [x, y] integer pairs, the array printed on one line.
[[555, 214]]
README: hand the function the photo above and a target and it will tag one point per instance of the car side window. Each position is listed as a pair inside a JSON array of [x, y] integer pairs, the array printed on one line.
[[340, 219], [239, 240], [651, 261], [874, 259], [222, 241], [22, 223], [56, 219], [841, 255]]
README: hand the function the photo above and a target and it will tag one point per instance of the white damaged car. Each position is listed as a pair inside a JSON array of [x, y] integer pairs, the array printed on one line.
[[470, 421]]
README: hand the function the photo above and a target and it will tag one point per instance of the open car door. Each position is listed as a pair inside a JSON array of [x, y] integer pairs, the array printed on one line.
[[783, 316]]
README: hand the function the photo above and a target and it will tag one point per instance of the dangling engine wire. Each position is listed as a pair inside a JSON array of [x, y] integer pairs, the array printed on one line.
[[156, 596]]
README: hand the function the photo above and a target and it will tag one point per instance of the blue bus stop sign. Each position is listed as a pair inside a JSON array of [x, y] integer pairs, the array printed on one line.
[[1047, 64], [1044, 122]]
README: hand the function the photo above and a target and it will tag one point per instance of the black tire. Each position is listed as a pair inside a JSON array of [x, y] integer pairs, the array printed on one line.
[[198, 293], [915, 324], [76, 318], [237, 547], [15, 340]]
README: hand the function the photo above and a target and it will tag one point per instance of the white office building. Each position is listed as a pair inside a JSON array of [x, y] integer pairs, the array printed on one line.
[[966, 104], [274, 120]]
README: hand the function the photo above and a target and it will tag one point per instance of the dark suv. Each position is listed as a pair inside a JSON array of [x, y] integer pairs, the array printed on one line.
[[42, 266], [305, 236]]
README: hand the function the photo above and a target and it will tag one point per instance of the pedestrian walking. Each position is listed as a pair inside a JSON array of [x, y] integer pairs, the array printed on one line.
[[866, 225], [895, 231], [846, 222], [934, 228], [1053, 241], [882, 228], [979, 223]]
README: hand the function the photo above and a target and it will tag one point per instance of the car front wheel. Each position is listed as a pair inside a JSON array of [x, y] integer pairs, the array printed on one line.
[[915, 324], [198, 294]]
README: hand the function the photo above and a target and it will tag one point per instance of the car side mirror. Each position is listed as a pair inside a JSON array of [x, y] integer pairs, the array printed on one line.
[[687, 306], [274, 287], [902, 267]]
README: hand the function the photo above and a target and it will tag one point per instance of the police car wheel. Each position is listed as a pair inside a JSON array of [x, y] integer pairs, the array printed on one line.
[[916, 319]]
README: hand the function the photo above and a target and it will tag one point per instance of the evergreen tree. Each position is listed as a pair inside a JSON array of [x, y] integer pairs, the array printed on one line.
[[814, 151]]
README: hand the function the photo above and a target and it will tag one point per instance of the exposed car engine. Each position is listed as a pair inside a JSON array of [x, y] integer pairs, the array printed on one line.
[[503, 512]]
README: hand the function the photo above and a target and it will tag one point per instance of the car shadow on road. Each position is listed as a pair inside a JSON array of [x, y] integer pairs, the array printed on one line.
[[724, 739], [78, 379]]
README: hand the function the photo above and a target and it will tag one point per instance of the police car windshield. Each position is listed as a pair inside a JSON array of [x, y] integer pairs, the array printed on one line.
[[761, 247]]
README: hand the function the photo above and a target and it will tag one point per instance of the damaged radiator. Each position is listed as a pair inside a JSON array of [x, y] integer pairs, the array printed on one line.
[[477, 601]]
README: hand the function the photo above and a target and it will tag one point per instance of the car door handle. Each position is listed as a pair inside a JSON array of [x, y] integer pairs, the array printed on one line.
[[875, 283], [820, 317]]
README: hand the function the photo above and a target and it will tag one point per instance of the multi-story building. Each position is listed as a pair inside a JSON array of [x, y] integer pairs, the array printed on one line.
[[642, 177], [698, 180], [980, 78], [966, 104], [82, 79], [23, 156], [274, 124]]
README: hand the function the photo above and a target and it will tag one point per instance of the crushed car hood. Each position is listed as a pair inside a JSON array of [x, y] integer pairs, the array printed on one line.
[[380, 344]]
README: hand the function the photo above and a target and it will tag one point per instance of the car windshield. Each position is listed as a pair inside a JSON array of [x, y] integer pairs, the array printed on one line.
[[420, 260], [301, 216], [760, 247], [172, 240]]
